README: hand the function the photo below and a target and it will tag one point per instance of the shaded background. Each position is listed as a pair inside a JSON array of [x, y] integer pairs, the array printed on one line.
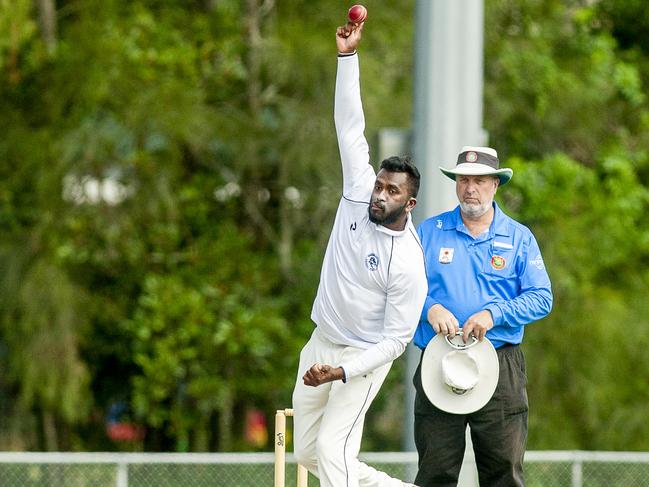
[[168, 179]]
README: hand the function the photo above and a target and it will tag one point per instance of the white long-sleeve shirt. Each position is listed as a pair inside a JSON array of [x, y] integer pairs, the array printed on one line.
[[373, 282]]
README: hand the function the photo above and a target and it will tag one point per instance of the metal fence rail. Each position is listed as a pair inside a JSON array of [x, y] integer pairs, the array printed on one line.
[[543, 469]]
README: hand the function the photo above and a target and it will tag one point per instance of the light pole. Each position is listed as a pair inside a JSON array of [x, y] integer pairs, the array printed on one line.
[[448, 91]]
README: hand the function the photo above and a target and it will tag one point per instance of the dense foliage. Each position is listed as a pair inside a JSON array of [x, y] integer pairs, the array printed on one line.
[[169, 176]]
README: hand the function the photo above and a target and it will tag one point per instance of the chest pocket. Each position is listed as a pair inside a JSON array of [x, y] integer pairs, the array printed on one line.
[[500, 263]]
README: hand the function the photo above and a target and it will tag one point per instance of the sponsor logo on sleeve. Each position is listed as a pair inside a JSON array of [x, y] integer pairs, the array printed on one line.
[[538, 262]]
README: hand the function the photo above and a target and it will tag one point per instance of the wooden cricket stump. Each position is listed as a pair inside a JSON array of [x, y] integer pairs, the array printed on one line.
[[280, 452]]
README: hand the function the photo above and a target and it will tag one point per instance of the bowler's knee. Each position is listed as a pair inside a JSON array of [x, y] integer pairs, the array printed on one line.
[[305, 456], [328, 450]]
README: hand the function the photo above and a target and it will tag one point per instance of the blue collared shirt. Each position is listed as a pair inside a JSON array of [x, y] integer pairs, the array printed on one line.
[[501, 270]]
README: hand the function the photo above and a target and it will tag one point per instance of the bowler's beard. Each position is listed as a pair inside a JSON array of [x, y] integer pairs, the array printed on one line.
[[473, 210], [386, 218]]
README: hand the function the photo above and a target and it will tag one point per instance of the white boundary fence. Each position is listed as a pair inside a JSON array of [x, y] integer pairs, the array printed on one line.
[[578, 468]]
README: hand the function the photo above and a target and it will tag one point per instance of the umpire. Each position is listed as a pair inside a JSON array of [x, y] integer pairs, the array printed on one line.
[[485, 275]]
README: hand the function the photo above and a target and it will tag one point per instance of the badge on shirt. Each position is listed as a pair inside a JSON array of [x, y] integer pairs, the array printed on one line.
[[446, 255], [503, 245], [498, 262], [372, 262]]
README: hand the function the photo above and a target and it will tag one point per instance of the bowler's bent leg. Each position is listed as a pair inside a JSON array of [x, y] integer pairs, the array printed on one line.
[[371, 477], [341, 428], [309, 403]]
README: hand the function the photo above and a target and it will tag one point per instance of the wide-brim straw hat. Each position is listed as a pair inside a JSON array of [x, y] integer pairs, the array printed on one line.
[[479, 161], [459, 378]]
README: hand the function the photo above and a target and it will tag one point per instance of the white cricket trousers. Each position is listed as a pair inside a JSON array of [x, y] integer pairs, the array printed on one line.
[[328, 419]]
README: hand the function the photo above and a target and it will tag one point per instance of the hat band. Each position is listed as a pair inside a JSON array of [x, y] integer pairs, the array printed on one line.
[[478, 158], [461, 345], [459, 392]]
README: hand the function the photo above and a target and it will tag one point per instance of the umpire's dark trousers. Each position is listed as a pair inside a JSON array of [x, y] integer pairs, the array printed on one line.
[[498, 431]]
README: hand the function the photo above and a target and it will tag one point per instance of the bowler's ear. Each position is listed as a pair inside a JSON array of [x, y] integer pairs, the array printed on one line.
[[412, 202]]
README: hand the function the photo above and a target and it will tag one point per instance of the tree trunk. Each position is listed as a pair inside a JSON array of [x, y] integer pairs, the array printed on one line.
[[256, 10], [48, 23], [49, 431], [201, 434], [226, 421], [286, 221]]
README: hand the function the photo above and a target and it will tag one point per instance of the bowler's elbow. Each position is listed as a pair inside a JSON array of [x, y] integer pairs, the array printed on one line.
[[399, 346]]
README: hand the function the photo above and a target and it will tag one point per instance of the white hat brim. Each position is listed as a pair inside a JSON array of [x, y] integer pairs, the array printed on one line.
[[439, 393], [475, 169]]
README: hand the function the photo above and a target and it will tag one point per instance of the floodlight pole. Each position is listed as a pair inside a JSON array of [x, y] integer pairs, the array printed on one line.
[[448, 91]]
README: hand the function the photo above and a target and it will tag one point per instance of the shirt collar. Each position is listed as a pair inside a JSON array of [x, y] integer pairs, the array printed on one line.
[[395, 233], [500, 225]]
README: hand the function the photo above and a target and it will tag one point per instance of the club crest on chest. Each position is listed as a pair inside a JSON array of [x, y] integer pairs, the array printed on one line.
[[498, 262], [372, 261]]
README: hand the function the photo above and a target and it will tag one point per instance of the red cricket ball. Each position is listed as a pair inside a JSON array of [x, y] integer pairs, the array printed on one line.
[[357, 14]]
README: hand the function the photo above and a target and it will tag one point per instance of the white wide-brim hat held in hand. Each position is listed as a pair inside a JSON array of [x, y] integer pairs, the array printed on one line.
[[459, 378]]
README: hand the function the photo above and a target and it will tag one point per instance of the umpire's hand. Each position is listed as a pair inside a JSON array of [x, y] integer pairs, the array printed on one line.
[[478, 324], [443, 321]]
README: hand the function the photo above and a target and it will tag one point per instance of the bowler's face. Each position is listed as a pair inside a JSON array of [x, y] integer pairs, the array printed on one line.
[[391, 200], [476, 194]]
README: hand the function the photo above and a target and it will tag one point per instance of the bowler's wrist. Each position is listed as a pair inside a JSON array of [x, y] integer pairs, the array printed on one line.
[[343, 375]]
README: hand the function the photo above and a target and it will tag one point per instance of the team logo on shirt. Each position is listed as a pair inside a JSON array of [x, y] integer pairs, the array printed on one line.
[[372, 262], [498, 262], [446, 255]]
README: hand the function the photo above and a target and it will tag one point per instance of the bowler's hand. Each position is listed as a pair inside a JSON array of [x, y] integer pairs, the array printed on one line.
[[348, 37], [442, 320], [320, 374], [478, 324]]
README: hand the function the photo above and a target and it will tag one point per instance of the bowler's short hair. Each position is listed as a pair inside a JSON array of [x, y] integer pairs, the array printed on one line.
[[404, 164]]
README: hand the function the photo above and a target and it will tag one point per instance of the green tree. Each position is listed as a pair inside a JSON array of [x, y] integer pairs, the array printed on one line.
[[170, 172]]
